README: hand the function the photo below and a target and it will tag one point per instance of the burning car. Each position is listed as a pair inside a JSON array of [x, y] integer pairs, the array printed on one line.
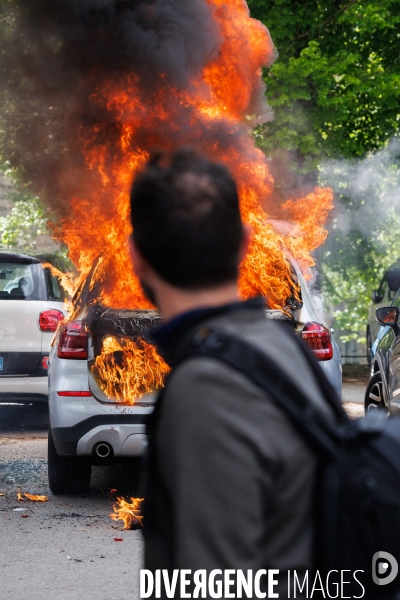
[[103, 372], [113, 99]]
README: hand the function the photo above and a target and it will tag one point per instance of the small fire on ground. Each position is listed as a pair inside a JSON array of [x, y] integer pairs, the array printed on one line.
[[128, 512], [33, 497]]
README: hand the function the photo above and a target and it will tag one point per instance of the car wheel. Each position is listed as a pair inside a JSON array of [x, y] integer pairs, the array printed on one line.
[[374, 399], [67, 475], [369, 346]]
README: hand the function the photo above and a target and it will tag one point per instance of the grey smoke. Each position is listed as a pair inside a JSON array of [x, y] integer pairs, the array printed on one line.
[[367, 190]]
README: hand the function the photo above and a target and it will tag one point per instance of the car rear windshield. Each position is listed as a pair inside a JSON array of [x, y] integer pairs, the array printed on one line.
[[21, 279]]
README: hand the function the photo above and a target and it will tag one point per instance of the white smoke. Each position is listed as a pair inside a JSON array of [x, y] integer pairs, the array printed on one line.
[[367, 191]]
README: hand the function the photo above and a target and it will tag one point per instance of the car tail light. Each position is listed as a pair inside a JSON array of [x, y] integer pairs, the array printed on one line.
[[49, 319], [318, 338], [73, 341], [45, 362], [79, 394]]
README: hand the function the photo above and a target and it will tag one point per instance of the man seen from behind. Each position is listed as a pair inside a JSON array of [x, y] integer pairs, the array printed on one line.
[[230, 480]]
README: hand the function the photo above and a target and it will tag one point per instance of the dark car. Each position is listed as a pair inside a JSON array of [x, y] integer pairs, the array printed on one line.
[[382, 296], [383, 390]]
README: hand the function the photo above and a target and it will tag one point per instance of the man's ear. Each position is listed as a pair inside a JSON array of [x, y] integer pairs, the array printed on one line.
[[244, 246]]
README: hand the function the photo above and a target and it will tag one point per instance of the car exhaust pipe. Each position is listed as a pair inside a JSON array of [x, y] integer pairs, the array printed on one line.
[[103, 450]]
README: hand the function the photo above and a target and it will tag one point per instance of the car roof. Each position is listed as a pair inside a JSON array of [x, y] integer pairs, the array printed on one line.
[[17, 256]]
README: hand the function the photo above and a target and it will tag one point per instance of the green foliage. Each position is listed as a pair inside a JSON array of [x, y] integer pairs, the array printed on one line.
[[335, 88], [25, 222], [21, 227], [335, 92]]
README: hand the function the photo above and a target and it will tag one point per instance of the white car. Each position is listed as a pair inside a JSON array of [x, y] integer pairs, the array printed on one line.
[[31, 306], [89, 426]]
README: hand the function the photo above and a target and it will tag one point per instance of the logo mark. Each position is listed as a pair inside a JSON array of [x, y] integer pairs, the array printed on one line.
[[384, 568]]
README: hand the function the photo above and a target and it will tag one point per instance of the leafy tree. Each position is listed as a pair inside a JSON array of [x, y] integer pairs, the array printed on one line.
[[335, 88], [21, 227], [25, 222], [335, 91]]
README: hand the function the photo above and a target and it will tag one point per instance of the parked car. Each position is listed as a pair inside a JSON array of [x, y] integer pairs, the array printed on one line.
[[381, 297], [31, 306], [383, 389], [89, 426]]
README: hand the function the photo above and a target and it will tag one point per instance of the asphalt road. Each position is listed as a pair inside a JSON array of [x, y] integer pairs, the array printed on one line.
[[65, 548]]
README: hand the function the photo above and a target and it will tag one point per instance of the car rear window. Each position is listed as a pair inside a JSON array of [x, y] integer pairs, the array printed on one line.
[[21, 280], [54, 288]]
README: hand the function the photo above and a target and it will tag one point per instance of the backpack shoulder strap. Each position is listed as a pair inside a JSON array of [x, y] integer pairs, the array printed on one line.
[[321, 433]]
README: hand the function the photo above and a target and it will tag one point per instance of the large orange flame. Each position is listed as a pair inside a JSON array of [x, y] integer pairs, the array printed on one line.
[[221, 100], [214, 115]]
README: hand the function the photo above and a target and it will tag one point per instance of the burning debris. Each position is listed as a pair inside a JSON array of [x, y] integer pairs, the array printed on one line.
[[128, 513], [33, 497]]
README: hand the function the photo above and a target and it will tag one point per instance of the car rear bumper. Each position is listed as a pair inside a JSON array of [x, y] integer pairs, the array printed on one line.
[[23, 389], [125, 434]]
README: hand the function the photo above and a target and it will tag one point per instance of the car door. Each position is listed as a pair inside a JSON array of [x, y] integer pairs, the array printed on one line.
[[393, 364], [386, 296], [22, 297]]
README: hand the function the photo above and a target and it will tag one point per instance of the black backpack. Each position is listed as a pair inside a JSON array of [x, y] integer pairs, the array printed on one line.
[[357, 500]]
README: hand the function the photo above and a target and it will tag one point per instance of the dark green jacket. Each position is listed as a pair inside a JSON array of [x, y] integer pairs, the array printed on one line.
[[230, 483]]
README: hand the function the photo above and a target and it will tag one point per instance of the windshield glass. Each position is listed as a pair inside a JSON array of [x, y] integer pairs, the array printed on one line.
[[21, 280]]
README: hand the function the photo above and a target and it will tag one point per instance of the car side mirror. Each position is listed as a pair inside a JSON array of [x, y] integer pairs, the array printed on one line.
[[376, 297], [387, 315]]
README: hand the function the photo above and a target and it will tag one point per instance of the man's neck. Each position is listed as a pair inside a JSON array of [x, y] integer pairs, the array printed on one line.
[[175, 301]]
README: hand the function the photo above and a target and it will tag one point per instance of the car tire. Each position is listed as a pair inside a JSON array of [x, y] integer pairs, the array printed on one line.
[[369, 346], [67, 475], [374, 399]]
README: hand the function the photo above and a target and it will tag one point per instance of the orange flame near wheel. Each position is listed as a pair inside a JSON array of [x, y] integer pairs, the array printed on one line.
[[128, 512]]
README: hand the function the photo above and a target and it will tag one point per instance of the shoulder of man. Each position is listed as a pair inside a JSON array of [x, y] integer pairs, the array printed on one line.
[[206, 398], [272, 338]]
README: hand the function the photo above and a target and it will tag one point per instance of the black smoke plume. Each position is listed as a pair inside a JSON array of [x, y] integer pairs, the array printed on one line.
[[56, 54]]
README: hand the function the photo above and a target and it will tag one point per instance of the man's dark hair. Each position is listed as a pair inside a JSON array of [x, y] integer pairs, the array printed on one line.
[[186, 220]]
